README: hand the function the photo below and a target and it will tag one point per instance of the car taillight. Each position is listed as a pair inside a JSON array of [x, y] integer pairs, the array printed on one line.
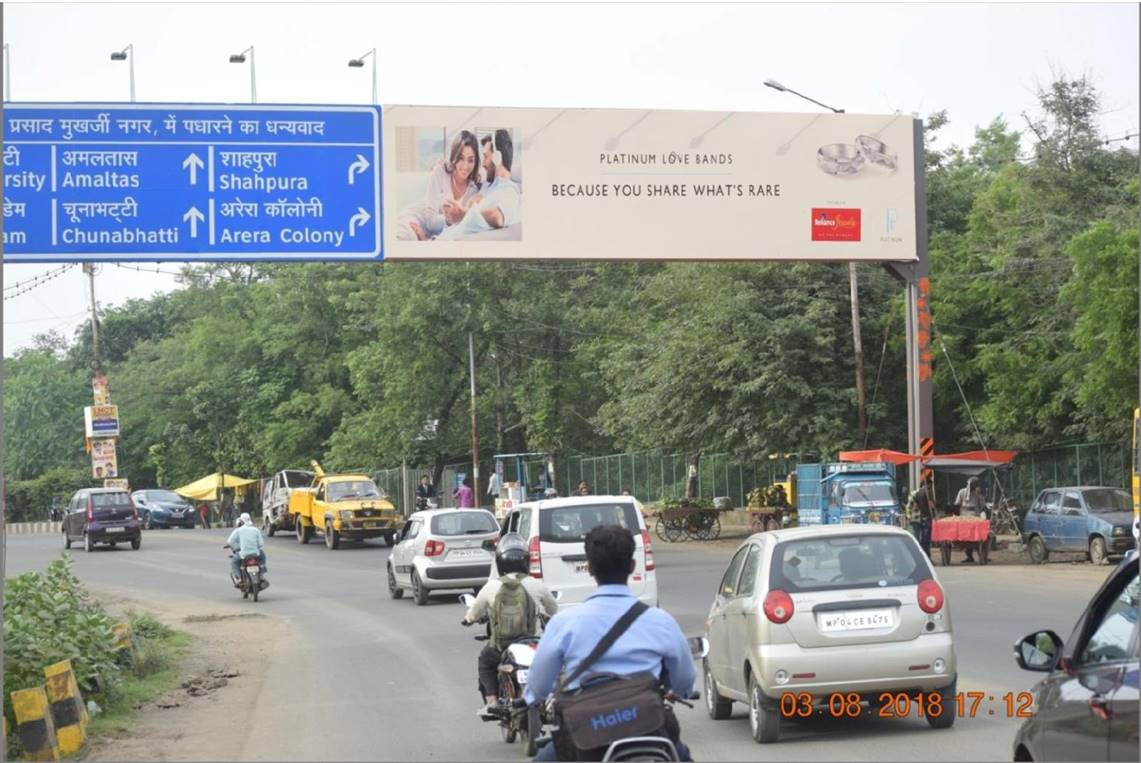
[[536, 558], [930, 597], [434, 548], [778, 607], [649, 550], [90, 508], [133, 509]]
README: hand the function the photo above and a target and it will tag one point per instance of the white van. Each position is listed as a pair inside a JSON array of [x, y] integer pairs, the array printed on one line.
[[555, 530]]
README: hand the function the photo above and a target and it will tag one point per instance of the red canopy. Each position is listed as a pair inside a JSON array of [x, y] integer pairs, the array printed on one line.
[[992, 456], [882, 454]]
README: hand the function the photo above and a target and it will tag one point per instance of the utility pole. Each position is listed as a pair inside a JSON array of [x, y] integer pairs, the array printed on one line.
[[89, 268], [858, 350], [474, 438]]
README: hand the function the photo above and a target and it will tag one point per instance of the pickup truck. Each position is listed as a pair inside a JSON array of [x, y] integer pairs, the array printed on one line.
[[342, 507], [275, 499]]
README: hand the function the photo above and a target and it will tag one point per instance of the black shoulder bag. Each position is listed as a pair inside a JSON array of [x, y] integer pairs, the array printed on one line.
[[606, 707]]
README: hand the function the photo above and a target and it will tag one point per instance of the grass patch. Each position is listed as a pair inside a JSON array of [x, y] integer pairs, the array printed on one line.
[[217, 618], [154, 671]]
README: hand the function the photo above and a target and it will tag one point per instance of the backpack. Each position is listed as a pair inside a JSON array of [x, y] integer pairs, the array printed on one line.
[[512, 613]]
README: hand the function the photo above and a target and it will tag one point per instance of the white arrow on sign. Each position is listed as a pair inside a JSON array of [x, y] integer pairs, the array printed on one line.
[[357, 168], [357, 220], [194, 164], [194, 217]]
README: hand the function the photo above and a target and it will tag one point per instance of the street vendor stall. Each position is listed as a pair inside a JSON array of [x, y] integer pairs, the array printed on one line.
[[961, 533], [211, 488]]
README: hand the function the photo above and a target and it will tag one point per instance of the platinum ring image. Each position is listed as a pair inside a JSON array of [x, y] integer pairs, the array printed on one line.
[[877, 152], [840, 159]]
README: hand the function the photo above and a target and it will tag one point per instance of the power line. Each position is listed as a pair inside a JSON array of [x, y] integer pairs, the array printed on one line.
[[33, 283], [146, 270], [42, 276]]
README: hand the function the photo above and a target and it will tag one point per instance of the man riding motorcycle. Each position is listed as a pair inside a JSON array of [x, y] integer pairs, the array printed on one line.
[[245, 541], [644, 642], [511, 603]]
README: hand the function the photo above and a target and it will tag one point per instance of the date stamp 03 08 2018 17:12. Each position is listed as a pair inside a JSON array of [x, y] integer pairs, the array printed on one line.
[[969, 704]]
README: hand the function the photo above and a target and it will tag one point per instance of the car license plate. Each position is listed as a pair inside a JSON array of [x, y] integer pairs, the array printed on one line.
[[465, 553], [522, 676], [581, 567], [116, 529], [371, 524], [856, 620]]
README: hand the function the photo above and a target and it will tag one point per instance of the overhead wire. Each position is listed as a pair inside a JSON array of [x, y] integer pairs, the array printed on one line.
[[38, 281]]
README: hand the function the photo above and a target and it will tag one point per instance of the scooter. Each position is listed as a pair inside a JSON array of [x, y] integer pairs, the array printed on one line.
[[516, 720], [424, 504], [251, 581]]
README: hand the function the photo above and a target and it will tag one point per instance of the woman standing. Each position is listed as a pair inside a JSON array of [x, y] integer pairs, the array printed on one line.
[[455, 180], [464, 495]]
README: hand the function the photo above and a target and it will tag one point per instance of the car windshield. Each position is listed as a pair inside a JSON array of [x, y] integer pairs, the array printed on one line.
[[339, 491], [464, 523], [297, 478], [847, 561], [164, 495], [570, 524], [104, 500], [868, 492], [1107, 500]]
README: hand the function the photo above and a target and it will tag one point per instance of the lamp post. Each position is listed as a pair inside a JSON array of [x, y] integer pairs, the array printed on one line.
[[240, 58], [127, 54], [854, 296], [358, 63], [7, 72]]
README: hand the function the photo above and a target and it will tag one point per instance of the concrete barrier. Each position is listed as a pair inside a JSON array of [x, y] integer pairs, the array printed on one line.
[[33, 528]]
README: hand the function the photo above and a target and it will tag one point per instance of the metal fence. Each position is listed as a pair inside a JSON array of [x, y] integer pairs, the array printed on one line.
[[1091, 463]]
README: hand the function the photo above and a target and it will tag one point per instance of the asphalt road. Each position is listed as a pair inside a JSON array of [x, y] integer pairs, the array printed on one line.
[[369, 678]]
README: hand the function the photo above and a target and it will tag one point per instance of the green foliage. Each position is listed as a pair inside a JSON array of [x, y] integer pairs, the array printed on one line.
[[44, 397], [30, 500], [767, 496], [705, 504]]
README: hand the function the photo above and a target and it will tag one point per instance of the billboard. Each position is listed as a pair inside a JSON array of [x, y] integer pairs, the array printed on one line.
[[120, 484], [100, 390], [101, 420], [503, 183], [104, 461]]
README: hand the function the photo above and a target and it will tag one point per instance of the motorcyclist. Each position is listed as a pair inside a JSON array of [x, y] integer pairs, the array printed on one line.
[[425, 491], [245, 541], [498, 601], [653, 642]]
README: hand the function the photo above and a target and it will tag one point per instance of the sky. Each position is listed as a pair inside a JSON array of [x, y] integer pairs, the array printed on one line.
[[977, 61]]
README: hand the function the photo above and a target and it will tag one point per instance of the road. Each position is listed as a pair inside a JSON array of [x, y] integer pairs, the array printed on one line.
[[360, 666]]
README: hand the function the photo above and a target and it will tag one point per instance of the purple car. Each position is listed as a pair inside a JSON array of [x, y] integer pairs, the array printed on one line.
[[101, 515]]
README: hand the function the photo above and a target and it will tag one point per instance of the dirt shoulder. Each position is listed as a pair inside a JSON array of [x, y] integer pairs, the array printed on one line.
[[206, 717]]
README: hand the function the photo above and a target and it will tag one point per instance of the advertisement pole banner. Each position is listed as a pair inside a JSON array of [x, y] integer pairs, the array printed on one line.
[[104, 461], [100, 390], [101, 421], [470, 183]]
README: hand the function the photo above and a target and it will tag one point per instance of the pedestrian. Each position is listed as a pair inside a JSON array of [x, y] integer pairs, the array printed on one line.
[[625, 491], [464, 495], [227, 507], [971, 502], [204, 514], [582, 489], [493, 485], [920, 515]]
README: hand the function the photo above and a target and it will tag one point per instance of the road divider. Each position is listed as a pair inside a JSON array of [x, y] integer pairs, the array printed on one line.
[[32, 528]]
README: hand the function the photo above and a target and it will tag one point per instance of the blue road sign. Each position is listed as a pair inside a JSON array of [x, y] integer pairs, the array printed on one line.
[[190, 182]]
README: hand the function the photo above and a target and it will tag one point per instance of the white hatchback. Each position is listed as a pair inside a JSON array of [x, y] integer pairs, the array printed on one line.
[[555, 531]]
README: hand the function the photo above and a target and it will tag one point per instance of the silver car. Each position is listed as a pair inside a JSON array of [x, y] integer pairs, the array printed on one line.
[[442, 549], [819, 621]]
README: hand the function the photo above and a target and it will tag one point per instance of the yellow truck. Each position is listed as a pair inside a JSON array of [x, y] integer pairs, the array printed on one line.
[[342, 507]]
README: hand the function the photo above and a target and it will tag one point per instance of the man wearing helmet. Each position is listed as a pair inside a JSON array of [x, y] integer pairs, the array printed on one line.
[[511, 603]]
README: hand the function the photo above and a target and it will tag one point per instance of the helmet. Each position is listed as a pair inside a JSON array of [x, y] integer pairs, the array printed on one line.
[[512, 555]]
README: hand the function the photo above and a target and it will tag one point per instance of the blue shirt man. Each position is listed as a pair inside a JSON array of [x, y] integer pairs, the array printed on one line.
[[652, 642], [246, 541]]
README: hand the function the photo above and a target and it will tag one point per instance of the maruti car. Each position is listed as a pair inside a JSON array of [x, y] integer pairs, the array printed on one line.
[[1086, 707], [101, 515], [1096, 520], [439, 549], [163, 508]]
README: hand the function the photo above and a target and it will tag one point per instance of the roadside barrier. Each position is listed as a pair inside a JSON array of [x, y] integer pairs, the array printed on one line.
[[33, 528], [67, 709], [34, 724]]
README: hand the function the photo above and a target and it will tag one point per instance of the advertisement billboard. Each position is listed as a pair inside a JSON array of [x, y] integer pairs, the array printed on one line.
[[475, 183], [119, 484], [104, 461], [100, 390], [101, 420]]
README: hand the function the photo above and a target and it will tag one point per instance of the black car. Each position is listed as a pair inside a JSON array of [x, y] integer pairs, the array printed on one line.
[[163, 508], [1086, 708], [101, 515]]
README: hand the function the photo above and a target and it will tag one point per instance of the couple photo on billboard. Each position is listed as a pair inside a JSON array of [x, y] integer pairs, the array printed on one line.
[[458, 185]]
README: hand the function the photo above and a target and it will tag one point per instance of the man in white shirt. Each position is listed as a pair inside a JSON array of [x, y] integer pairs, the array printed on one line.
[[497, 205]]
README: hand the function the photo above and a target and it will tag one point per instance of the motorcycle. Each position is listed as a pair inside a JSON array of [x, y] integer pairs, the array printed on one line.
[[516, 720], [251, 581], [423, 504]]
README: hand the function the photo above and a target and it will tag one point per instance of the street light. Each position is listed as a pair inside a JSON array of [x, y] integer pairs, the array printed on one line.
[[240, 58], [358, 63], [7, 72], [127, 54], [778, 86]]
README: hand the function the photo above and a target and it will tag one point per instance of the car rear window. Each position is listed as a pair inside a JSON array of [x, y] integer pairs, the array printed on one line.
[[464, 523], [570, 524], [105, 500], [847, 561]]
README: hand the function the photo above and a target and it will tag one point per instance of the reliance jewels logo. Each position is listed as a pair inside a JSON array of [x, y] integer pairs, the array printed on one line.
[[835, 224]]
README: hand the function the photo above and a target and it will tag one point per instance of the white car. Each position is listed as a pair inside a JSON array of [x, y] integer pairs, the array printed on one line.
[[441, 549], [555, 530]]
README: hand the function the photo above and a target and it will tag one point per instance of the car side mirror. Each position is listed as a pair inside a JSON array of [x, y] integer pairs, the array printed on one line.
[[699, 646], [1038, 651], [488, 545]]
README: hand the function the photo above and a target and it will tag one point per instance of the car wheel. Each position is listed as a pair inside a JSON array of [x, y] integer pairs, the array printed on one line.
[[135, 543], [390, 540], [304, 532], [419, 592], [332, 537], [1037, 550], [719, 709], [269, 527], [394, 589], [1097, 552], [148, 524], [764, 721], [66, 539], [88, 545], [945, 719]]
